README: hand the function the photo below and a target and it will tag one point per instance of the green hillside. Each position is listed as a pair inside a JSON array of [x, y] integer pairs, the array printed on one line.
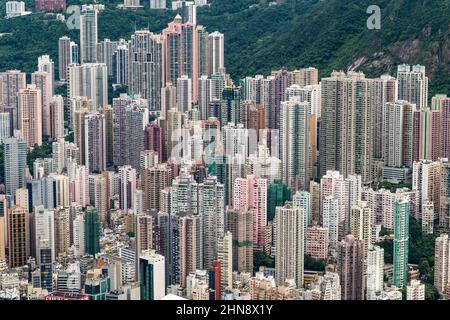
[[328, 34]]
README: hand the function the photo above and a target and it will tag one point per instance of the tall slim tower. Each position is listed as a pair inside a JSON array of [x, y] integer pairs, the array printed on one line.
[[351, 268], [95, 142], [225, 257], [442, 263], [88, 35], [216, 60], [15, 151], [289, 244], [401, 242], [92, 229], [295, 147], [30, 115], [18, 236]]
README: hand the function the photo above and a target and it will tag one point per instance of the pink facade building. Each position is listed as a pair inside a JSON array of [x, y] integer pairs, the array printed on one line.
[[317, 242], [250, 194], [50, 5], [180, 41]]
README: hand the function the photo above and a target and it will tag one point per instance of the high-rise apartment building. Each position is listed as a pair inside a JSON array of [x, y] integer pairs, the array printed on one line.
[[401, 242], [289, 244], [351, 268], [295, 147], [88, 35], [15, 153], [152, 275], [30, 115], [412, 85]]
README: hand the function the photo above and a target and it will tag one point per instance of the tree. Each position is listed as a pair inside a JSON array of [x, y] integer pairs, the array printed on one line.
[[260, 259]]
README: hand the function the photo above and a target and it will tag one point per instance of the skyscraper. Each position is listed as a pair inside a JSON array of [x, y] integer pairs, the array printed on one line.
[[10, 83], [250, 194], [215, 54], [46, 64], [345, 136], [184, 93], [89, 80], [351, 268], [398, 139], [65, 55], [15, 151], [361, 224], [302, 199], [88, 35], [56, 117], [120, 65], [43, 82], [289, 244], [130, 116], [30, 115], [181, 52], [188, 255], [92, 229], [401, 242], [330, 218], [442, 263], [412, 85], [146, 73], [375, 271], [211, 203], [127, 187], [95, 140], [5, 126], [152, 275], [295, 147], [18, 236], [44, 230], [225, 257], [240, 224]]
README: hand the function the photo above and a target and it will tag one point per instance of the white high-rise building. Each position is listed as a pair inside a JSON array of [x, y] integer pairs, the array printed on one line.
[[127, 187], [78, 235], [5, 126], [302, 199], [152, 275], [442, 263], [310, 94], [294, 138], [375, 271], [158, 4], [330, 207], [184, 93], [289, 244], [15, 9], [44, 229], [89, 80], [45, 64], [412, 85], [415, 290], [225, 257], [216, 60]]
